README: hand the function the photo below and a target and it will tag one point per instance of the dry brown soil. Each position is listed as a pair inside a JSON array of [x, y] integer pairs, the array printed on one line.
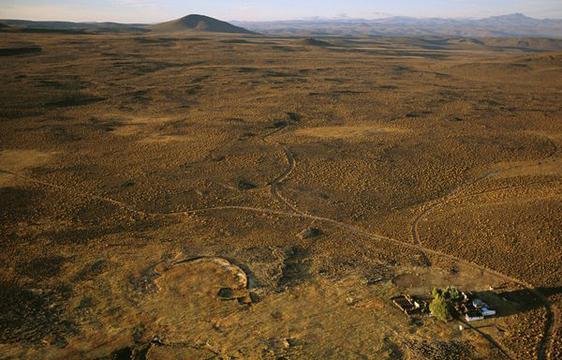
[[215, 196]]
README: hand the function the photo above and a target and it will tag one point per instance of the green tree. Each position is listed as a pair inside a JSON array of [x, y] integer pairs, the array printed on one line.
[[441, 306], [453, 294], [435, 292]]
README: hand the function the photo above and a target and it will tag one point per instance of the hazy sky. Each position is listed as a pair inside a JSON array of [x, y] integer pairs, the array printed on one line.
[[154, 10]]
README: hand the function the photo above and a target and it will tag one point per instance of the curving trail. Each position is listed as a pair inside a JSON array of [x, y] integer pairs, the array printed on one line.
[[351, 228], [453, 194], [276, 183], [544, 350], [415, 245], [551, 316]]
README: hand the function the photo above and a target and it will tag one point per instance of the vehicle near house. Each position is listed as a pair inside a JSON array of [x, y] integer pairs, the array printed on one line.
[[478, 310]]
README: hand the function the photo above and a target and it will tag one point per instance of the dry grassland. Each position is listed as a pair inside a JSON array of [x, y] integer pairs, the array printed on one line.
[[215, 196]]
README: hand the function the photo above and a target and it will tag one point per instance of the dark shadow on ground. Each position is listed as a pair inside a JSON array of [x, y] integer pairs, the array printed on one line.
[[513, 302]]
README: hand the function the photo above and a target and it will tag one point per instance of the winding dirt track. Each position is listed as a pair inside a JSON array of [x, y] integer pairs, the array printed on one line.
[[275, 184], [351, 228], [544, 350]]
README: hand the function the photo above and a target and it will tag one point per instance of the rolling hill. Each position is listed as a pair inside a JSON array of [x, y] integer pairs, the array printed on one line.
[[199, 23]]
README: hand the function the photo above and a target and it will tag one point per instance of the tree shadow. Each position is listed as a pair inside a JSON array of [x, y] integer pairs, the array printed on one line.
[[518, 301]]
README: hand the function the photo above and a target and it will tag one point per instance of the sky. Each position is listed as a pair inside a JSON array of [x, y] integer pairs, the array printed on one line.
[[151, 11]]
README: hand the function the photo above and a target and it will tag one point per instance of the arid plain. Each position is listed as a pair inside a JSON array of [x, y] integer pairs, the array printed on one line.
[[206, 196]]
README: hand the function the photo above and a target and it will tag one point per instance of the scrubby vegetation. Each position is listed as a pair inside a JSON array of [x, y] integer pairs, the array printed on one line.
[[310, 167]]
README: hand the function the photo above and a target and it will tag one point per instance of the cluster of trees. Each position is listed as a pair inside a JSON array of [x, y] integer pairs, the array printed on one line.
[[442, 305]]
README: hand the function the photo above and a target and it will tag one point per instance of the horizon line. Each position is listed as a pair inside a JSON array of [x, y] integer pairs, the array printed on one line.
[[309, 18]]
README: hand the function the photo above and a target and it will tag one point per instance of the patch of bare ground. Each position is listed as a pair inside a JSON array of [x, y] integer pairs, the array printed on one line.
[[15, 161], [19, 160], [352, 133]]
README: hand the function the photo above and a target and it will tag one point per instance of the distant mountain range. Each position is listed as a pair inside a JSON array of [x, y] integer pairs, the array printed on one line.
[[67, 26], [515, 25]]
